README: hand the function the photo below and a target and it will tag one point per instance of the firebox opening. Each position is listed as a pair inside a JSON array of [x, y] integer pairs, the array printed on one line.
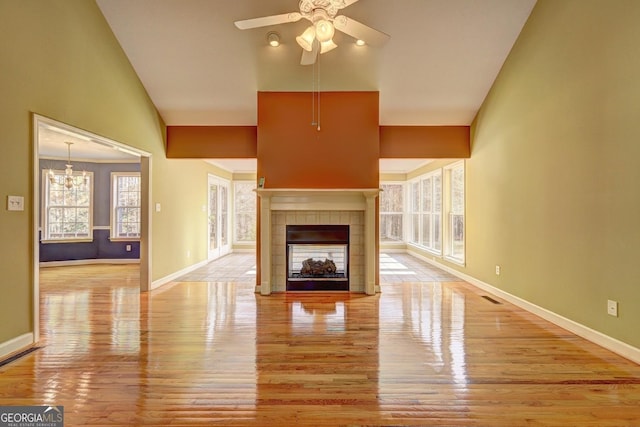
[[317, 261], [317, 257]]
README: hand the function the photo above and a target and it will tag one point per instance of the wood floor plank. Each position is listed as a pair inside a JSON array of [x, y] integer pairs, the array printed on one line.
[[207, 353]]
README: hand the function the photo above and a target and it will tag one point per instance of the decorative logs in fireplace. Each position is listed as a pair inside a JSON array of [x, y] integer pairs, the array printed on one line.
[[314, 267], [317, 257]]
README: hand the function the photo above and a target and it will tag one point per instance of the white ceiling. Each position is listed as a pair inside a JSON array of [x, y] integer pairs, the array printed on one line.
[[199, 69], [53, 139]]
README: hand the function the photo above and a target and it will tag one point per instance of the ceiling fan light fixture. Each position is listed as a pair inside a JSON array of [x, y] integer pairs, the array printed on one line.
[[327, 46], [324, 30], [306, 39], [325, 22], [273, 38]]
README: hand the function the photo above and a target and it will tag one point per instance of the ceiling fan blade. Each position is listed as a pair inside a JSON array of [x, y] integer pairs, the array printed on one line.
[[309, 57], [360, 31], [266, 21]]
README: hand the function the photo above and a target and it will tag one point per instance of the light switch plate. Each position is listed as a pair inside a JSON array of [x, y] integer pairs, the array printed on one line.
[[612, 308], [15, 203]]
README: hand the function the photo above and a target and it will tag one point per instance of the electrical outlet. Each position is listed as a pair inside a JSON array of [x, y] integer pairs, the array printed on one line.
[[498, 270], [612, 308], [188, 254], [128, 248]]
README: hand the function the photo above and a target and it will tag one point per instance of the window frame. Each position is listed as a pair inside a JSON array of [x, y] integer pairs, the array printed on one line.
[[113, 207], [448, 224], [417, 211], [401, 212], [45, 235], [236, 212]]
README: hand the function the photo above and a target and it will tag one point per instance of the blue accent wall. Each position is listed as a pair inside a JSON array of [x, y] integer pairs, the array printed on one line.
[[101, 247]]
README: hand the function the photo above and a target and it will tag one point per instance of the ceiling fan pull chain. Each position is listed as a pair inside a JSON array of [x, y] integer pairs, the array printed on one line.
[[313, 95], [318, 61]]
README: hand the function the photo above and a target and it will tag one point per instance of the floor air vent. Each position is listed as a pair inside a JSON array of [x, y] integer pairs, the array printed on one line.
[[18, 356], [491, 299]]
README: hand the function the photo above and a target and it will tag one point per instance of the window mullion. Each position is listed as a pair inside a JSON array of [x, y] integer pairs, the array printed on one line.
[[64, 200]]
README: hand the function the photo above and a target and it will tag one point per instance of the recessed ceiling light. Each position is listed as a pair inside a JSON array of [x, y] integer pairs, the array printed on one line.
[[273, 38], [360, 42]]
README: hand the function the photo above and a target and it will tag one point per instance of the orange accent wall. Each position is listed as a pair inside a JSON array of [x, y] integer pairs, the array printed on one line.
[[425, 142], [203, 142], [292, 153]]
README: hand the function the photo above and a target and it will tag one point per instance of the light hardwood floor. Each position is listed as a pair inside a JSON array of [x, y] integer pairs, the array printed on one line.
[[215, 353]]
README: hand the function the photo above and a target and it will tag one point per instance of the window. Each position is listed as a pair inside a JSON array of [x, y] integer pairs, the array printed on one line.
[[391, 211], [415, 212], [455, 231], [67, 213], [125, 205], [426, 211], [245, 212]]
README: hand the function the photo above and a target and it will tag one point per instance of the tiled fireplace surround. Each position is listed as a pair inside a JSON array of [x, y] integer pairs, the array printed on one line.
[[282, 207]]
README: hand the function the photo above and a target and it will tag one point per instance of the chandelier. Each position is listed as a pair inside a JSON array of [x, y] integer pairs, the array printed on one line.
[[69, 181]]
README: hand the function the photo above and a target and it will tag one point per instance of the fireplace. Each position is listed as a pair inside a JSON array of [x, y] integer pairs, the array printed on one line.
[[280, 208], [317, 257]]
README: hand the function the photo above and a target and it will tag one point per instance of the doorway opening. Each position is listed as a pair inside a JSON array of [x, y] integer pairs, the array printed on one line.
[[78, 218], [219, 224]]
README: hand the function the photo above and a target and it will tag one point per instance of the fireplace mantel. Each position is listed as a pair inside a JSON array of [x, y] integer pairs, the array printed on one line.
[[339, 199], [317, 199]]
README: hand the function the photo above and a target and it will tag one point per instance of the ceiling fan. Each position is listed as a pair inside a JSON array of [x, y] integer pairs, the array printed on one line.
[[324, 18]]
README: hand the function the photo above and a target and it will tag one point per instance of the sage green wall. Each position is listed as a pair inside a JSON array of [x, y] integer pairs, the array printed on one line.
[[179, 230], [59, 58], [398, 177], [244, 176], [553, 182]]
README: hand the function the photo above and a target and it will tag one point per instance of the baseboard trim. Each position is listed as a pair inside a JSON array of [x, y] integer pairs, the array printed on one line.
[[67, 263], [621, 348], [393, 250], [244, 250], [171, 277], [16, 344]]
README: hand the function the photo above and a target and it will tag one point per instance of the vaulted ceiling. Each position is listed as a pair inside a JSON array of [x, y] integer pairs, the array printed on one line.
[[199, 69]]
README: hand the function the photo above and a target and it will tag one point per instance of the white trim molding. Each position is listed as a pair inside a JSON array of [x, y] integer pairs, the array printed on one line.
[[171, 277], [89, 262], [247, 250], [621, 348], [16, 344]]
